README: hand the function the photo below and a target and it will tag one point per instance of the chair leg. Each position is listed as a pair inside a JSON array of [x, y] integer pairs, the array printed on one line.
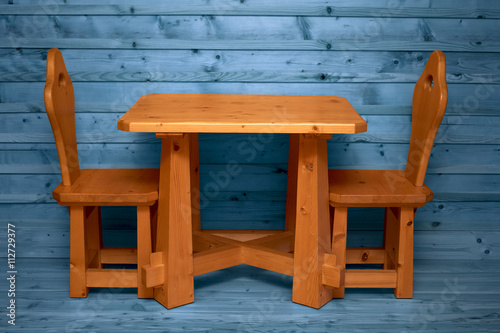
[[93, 227], [338, 215], [399, 246], [390, 237], [78, 261], [143, 248]]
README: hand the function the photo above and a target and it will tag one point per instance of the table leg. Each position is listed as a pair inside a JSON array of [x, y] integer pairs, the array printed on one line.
[[174, 230], [312, 236]]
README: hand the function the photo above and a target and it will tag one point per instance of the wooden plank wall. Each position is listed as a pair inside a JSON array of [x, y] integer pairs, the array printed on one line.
[[370, 51]]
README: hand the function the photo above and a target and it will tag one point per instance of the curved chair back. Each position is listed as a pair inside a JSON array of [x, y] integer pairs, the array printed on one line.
[[60, 107], [429, 104]]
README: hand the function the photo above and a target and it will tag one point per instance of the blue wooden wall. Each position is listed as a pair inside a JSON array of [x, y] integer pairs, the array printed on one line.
[[370, 51]]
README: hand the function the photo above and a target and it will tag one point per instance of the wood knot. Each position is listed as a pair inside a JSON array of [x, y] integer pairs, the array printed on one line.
[[364, 257], [176, 147], [303, 211], [309, 166], [409, 223]]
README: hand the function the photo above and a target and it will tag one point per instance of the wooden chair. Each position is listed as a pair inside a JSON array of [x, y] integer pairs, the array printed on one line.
[[399, 191], [84, 191]]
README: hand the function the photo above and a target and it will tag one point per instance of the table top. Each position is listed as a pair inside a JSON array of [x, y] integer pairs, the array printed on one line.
[[214, 113]]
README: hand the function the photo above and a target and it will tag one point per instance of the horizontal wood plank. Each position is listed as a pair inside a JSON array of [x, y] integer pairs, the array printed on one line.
[[363, 255], [236, 44], [267, 258], [462, 97], [112, 278], [215, 259], [150, 31], [314, 8], [250, 76], [370, 278], [404, 64]]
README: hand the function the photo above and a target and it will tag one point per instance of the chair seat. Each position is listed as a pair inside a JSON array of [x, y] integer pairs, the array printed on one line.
[[375, 188], [110, 187]]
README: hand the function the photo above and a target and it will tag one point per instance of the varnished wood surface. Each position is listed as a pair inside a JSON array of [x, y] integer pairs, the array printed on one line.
[[84, 192], [375, 188], [60, 106], [110, 187], [430, 99], [202, 113], [400, 193]]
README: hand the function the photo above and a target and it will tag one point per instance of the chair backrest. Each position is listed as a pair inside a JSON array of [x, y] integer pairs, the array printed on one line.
[[429, 104], [60, 107]]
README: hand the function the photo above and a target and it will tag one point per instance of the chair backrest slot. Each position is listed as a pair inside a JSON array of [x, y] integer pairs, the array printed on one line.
[[60, 107], [429, 104]]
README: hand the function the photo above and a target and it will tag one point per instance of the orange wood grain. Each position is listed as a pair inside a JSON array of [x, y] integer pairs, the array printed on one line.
[[370, 278], [404, 254], [375, 188], [78, 252], [84, 191], [153, 274], [217, 258], [312, 231], [430, 98], [111, 278], [365, 255], [60, 107], [225, 251], [110, 187], [400, 191], [283, 241], [339, 239], [211, 113], [144, 248], [174, 233], [310, 120]]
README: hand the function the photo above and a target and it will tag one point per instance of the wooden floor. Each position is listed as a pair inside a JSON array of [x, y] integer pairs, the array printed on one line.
[[450, 296]]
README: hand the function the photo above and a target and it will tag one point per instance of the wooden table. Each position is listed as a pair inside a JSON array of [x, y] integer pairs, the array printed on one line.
[[303, 250]]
